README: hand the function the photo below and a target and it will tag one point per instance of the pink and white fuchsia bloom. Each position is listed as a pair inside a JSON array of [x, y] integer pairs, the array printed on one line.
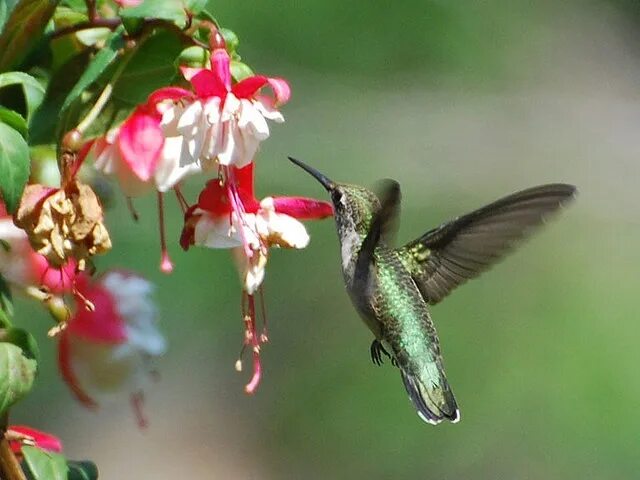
[[228, 215], [178, 133], [110, 349], [225, 123]]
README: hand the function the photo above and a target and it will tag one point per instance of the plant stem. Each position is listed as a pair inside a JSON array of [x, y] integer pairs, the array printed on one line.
[[104, 97], [110, 23], [10, 468]]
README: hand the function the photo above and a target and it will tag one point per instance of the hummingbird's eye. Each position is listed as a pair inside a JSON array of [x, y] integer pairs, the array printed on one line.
[[337, 197]]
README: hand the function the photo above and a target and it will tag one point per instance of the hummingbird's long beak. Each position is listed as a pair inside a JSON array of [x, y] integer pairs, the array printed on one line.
[[326, 183]]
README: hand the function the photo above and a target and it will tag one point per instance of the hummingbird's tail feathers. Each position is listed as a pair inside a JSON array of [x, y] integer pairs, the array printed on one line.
[[434, 403]]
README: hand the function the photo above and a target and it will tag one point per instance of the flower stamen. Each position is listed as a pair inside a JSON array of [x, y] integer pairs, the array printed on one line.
[[165, 261]]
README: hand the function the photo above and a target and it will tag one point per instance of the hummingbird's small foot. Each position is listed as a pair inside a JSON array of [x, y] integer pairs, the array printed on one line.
[[376, 353]]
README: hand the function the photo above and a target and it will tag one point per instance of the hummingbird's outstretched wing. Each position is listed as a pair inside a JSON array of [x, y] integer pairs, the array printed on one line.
[[383, 227], [464, 247]]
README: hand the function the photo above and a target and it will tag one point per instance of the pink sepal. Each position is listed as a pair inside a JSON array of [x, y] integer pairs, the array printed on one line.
[[42, 440], [220, 62], [104, 323], [302, 208], [281, 90], [248, 87], [140, 143], [189, 72], [168, 93], [207, 84]]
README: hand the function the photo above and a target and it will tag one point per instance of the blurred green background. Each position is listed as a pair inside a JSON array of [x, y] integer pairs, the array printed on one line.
[[461, 102]]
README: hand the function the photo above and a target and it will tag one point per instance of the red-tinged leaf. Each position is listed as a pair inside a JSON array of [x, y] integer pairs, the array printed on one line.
[[23, 30]]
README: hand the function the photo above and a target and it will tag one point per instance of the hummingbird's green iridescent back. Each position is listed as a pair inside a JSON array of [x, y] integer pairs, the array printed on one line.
[[391, 288], [409, 333]]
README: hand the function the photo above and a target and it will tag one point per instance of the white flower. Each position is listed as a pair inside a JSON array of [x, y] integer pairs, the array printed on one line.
[[111, 350]]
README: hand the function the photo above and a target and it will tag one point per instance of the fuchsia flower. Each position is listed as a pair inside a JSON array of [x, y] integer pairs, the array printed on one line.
[[110, 348], [20, 435], [22, 266], [228, 215], [226, 122], [139, 152], [177, 133]]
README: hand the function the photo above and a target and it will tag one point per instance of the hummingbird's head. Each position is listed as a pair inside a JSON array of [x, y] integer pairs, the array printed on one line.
[[353, 205]]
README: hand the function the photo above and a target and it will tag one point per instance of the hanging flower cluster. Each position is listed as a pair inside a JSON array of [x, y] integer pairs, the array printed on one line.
[[153, 100], [215, 127], [205, 123], [111, 347]]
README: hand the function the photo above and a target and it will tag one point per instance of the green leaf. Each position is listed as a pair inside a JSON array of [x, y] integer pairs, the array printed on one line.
[[196, 6], [194, 56], [230, 39], [17, 373], [6, 299], [47, 122], [97, 66], [172, 10], [23, 30], [33, 91], [14, 120], [4, 11], [45, 465], [82, 470], [151, 67], [240, 71], [23, 339], [14, 166]]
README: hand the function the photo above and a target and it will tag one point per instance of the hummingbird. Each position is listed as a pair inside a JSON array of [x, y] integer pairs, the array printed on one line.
[[392, 287]]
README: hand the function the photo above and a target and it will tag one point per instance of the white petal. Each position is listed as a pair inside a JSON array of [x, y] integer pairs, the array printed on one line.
[[219, 232], [251, 120], [171, 169], [280, 229]]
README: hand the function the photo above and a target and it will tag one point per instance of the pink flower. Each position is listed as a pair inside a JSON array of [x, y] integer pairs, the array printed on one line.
[[20, 435], [228, 215], [20, 265], [138, 152], [225, 123], [109, 349]]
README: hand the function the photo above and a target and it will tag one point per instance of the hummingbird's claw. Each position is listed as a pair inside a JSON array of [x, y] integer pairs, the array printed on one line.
[[376, 353]]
